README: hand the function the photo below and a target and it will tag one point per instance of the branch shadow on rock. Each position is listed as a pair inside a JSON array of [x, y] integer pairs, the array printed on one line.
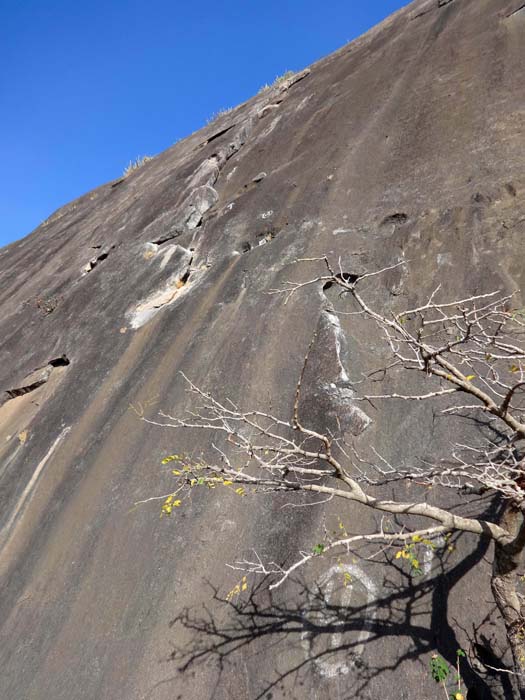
[[315, 633]]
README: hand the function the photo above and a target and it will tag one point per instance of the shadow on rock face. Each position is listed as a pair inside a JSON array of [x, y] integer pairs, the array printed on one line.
[[324, 631]]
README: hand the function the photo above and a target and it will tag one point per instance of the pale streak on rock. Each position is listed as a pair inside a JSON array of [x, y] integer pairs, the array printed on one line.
[[26, 493], [331, 669]]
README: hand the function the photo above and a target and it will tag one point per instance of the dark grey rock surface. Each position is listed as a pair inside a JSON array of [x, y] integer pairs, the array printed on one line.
[[405, 144]]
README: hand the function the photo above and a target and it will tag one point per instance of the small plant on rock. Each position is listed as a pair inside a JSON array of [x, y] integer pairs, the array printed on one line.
[[135, 164], [440, 672]]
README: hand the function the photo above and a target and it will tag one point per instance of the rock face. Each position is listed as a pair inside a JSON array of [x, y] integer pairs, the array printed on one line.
[[407, 144]]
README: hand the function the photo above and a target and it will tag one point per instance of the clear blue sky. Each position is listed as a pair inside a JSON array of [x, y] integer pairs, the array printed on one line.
[[87, 86]]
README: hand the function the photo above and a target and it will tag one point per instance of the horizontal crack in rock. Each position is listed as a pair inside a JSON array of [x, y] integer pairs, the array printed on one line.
[[515, 12], [397, 218], [219, 134]]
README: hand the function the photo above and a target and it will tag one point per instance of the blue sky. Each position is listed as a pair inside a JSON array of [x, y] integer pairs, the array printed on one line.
[[87, 86]]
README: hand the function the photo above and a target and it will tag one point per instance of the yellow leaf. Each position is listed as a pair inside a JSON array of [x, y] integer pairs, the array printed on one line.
[[227, 483], [240, 491], [176, 472], [234, 591], [399, 555], [416, 538], [514, 368], [470, 377], [177, 503]]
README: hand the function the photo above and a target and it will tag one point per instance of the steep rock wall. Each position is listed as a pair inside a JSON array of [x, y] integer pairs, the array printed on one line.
[[405, 144]]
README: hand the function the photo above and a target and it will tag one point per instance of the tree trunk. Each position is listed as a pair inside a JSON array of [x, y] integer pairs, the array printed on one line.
[[507, 559]]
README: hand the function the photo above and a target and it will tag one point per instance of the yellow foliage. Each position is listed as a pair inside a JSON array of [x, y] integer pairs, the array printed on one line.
[[242, 586]]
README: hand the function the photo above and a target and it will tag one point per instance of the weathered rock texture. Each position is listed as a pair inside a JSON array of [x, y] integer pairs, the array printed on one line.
[[405, 144]]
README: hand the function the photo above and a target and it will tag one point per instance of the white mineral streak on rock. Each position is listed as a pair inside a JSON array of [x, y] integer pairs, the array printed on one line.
[[444, 259], [303, 102], [338, 335], [344, 395], [352, 585], [167, 255], [270, 127], [27, 492]]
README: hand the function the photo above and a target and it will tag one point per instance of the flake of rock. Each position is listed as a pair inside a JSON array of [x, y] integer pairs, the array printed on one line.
[[293, 79], [266, 110], [200, 200]]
